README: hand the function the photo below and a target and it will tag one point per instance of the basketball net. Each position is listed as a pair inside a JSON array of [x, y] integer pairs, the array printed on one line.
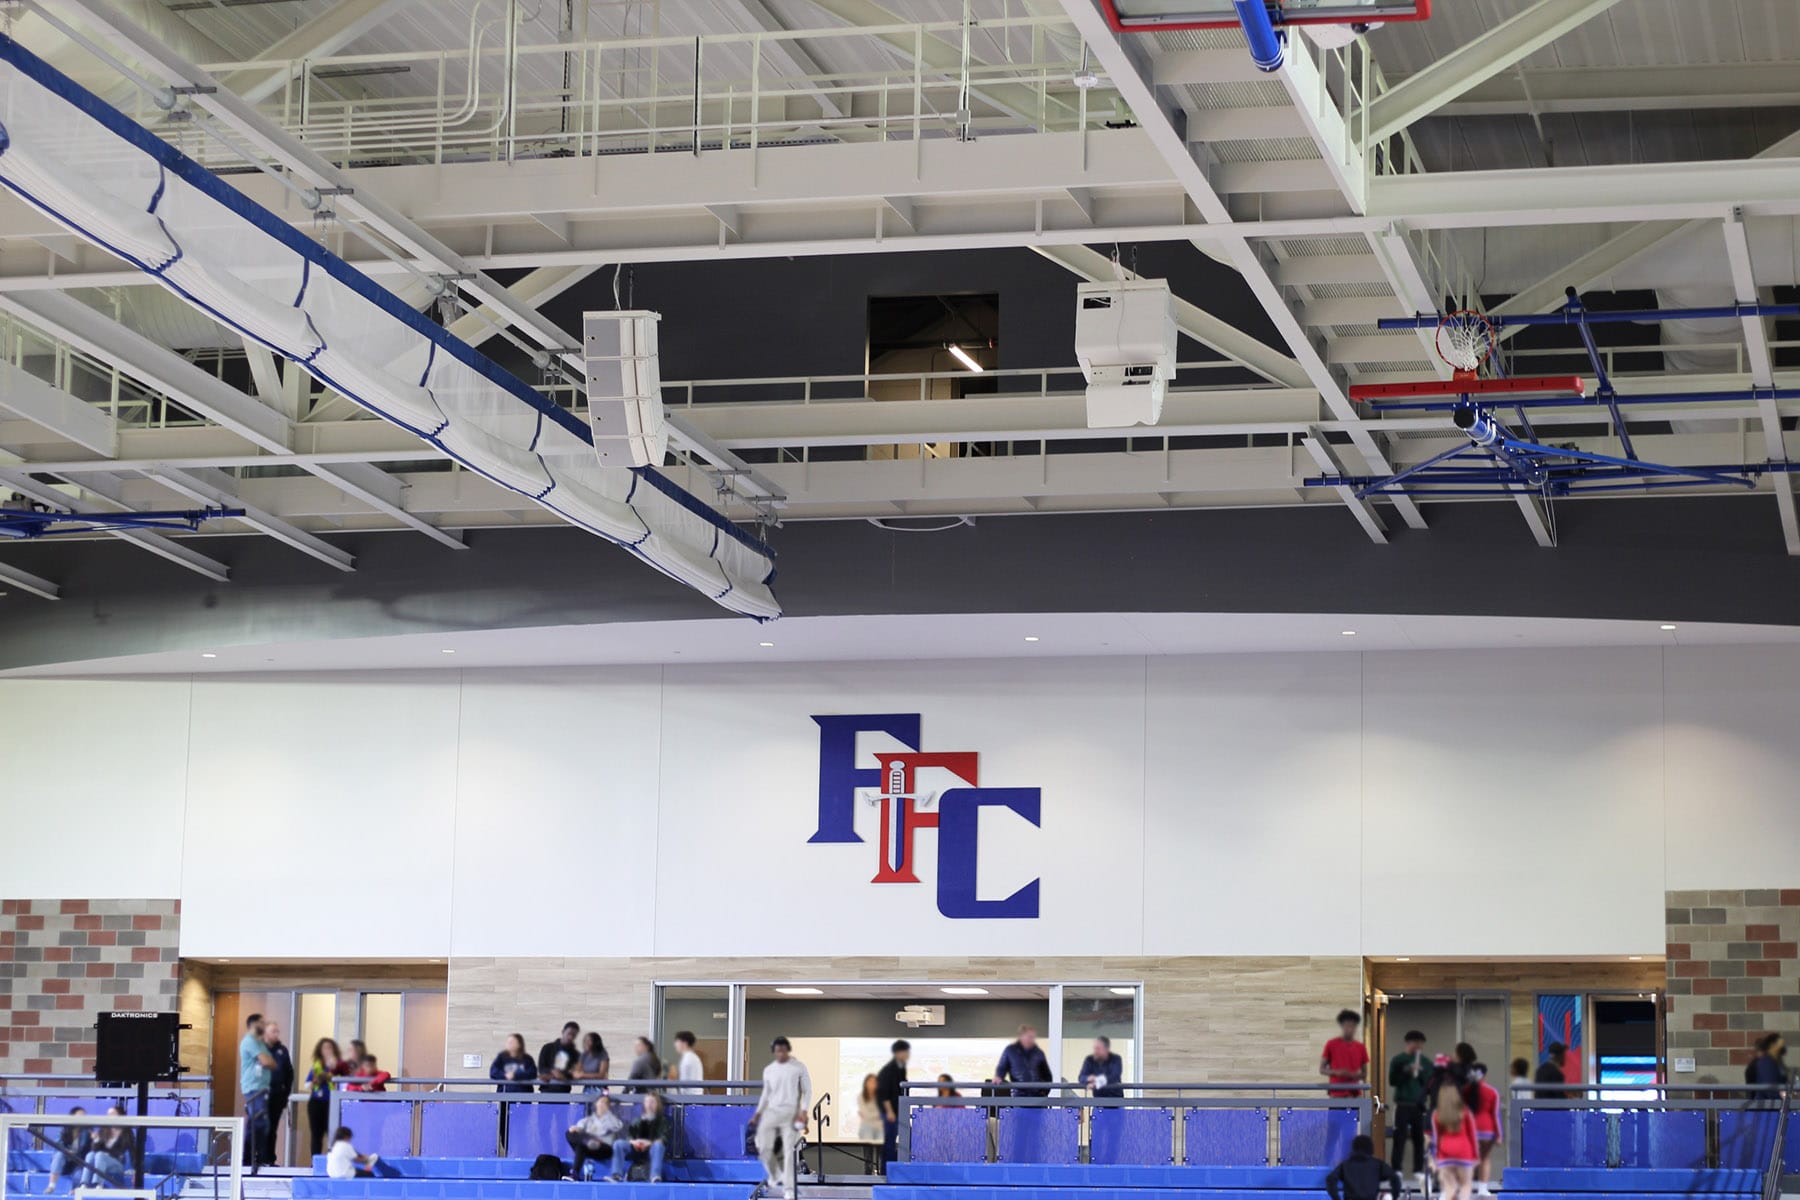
[[1464, 340]]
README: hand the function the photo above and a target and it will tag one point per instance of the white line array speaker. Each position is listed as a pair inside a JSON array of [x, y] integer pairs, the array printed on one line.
[[1125, 341], [624, 387]]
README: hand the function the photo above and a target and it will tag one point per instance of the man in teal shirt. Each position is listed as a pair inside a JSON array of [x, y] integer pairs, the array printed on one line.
[[1407, 1076], [255, 1067]]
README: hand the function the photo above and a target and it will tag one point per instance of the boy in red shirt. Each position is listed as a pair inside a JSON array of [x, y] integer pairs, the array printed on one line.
[[1345, 1060]]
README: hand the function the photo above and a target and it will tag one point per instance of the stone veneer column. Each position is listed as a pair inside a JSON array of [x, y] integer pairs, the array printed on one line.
[[1733, 975], [63, 962]]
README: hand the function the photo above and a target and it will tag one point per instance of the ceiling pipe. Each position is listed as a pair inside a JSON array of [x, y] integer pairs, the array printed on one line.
[[1267, 50]]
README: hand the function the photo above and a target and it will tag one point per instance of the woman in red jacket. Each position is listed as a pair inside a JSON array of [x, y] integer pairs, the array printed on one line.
[[1487, 1126], [1455, 1146]]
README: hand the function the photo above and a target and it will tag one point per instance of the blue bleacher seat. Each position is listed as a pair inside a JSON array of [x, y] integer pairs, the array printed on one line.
[[534, 1129], [501, 1170], [1316, 1137], [1132, 1137], [1559, 1137], [382, 1127], [1747, 1138], [463, 1128], [312, 1188], [1040, 1135], [1578, 1180], [713, 1131], [948, 1134], [1227, 1137], [1235, 1180]]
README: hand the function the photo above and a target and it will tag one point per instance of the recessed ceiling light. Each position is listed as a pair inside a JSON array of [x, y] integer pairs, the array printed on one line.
[[207, 654], [1666, 628], [1030, 638], [963, 991], [1122, 991], [766, 645], [446, 650], [800, 991], [1346, 633]]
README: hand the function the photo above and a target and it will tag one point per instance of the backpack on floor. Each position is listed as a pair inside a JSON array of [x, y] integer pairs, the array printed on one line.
[[547, 1167]]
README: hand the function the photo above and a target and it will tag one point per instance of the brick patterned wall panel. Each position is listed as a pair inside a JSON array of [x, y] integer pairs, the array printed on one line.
[[63, 962], [1733, 975]]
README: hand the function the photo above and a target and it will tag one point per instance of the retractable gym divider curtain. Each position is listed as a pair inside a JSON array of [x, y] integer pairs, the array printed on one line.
[[95, 171]]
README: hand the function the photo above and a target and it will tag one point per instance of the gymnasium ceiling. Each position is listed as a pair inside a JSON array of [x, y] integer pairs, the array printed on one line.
[[1645, 151]]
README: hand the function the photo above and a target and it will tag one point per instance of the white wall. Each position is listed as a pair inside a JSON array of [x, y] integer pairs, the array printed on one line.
[[1487, 802]]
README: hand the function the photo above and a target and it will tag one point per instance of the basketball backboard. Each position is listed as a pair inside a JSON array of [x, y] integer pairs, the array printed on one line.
[[1219, 14]]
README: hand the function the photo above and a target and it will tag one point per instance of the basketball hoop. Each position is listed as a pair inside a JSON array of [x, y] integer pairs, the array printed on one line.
[[1464, 340]]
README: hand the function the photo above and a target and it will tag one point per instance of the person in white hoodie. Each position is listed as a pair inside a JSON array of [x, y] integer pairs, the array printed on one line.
[[688, 1067], [780, 1116]]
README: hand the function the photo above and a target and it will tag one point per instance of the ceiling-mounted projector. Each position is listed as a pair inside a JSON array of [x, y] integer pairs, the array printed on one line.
[[1125, 341], [624, 387]]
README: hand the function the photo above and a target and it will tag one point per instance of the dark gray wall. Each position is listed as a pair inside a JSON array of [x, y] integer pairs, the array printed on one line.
[[1653, 560]]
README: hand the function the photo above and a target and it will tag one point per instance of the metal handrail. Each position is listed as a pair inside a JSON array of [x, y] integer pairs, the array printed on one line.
[[1771, 1189]]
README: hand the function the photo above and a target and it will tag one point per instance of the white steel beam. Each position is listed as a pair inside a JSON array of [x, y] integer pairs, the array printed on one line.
[[265, 136], [1510, 42], [196, 389], [1133, 83], [320, 37], [1762, 373], [106, 487], [790, 55], [1578, 195], [25, 581], [1320, 451], [73, 420], [1192, 320], [1682, 87], [214, 487]]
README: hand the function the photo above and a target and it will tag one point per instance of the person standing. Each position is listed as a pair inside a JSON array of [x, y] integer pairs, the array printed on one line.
[[1769, 1067], [1102, 1071], [1023, 1062], [513, 1067], [256, 1067], [319, 1079], [780, 1117], [1520, 1084], [644, 1063], [1345, 1060], [558, 1059], [1407, 1075], [688, 1067], [1550, 1071], [1487, 1125], [888, 1091], [868, 1111], [1453, 1144], [595, 1063], [281, 1087]]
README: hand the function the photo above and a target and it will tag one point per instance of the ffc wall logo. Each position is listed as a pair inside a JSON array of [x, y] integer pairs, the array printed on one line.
[[894, 785]]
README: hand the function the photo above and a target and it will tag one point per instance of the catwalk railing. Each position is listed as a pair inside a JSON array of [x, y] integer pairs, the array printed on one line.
[[497, 97], [1152, 1124]]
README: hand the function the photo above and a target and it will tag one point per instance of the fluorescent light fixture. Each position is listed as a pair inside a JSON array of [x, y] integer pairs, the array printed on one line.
[[1123, 991], [1030, 637], [1346, 633], [963, 991], [766, 645], [1402, 958], [1666, 628], [800, 991], [207, 654], [963, 357], [1636, 958], [446, 651]]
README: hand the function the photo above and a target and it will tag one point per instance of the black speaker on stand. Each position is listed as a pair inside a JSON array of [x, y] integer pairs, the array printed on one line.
[[138, 1048]]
